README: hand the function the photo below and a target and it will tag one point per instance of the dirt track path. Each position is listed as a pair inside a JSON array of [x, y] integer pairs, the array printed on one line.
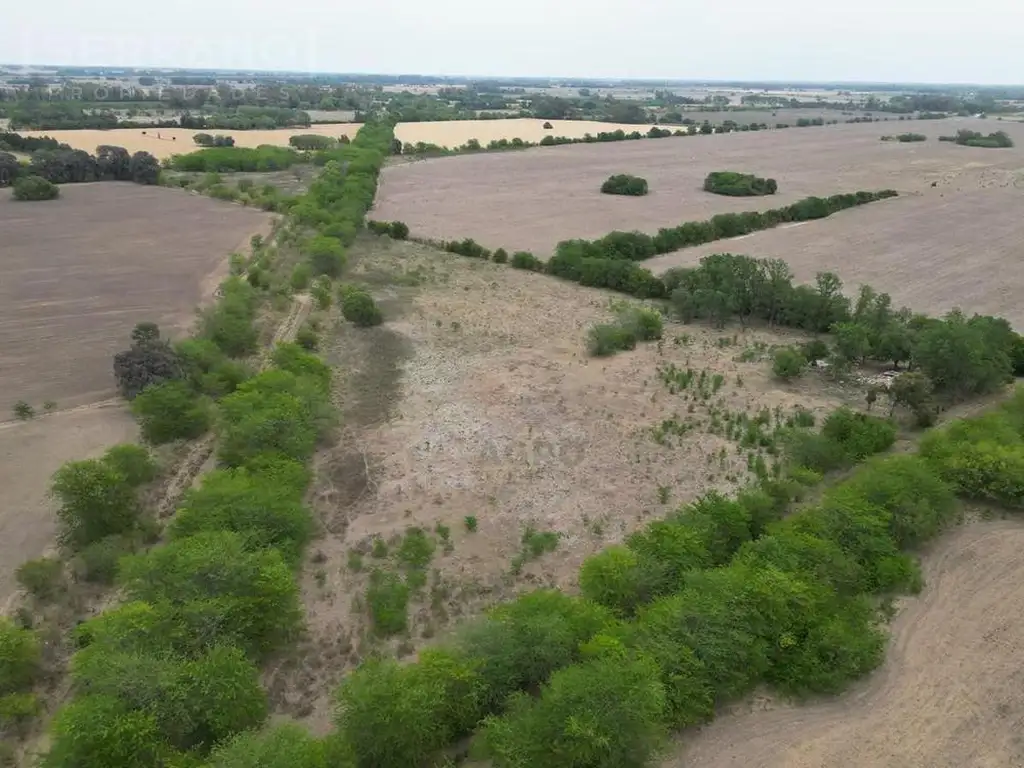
[[950, 694]]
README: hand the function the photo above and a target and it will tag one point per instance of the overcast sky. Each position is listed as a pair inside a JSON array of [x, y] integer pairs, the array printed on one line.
[[872, 40]]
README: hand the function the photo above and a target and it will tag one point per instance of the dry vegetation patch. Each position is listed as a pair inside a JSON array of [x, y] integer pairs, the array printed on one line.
[[948, 695], [477, 401], [80, 271], [530, 200]]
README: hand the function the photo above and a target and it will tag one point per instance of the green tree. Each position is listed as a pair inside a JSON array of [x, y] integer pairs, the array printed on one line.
[[133, 461], [213, 584], [393, 715], [96, 731], [171, 411], [20, 657], [604, 713], [95, 500], [144, 168], [853, 341], [149, 361], [359, 307], [30, 188], [264, 512], [282, 746], [326, 256]]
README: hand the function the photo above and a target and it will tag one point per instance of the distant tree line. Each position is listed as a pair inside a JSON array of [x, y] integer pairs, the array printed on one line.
[[906, 137]]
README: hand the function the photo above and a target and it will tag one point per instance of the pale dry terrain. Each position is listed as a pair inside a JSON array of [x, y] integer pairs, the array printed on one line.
[[477, 397], [82, 270], [530, 200], [947, 247], [30, 452], [949, 695], [164, 142]]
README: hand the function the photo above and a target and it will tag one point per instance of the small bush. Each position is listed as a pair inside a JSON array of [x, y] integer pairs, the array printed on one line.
[[98, 562], [788, 363], [19, 657], [301, 276], [609, 338], [326, 256], [42, 578], [28, 188], [624, 184], [500, 256], [398, 230], [307, 338], [133, 461], [388, 600], [23, 411], [359, 307]]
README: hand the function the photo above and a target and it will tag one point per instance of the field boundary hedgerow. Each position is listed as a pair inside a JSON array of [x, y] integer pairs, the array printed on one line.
[[172, 672]]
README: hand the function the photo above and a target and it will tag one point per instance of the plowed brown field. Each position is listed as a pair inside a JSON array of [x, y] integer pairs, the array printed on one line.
[[531, 200], [80, 271]]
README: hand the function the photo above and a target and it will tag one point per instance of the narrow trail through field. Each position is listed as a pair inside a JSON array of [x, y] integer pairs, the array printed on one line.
[[195, 463], [950, 694]]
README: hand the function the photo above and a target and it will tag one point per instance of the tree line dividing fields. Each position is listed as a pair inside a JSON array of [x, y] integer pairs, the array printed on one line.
[[172, 673]]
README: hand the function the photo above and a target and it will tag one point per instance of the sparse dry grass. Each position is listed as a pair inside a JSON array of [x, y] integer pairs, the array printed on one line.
[[477, 398]]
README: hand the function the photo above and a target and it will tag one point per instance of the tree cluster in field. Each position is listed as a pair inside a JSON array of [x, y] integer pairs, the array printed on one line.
[[208, 140], [309, 142], [625, 184], [239, 159], [171, 675], [906, 138], [692, 612], [247, 118], [739, 184], [62, 165], [997, 140], [396, 230]]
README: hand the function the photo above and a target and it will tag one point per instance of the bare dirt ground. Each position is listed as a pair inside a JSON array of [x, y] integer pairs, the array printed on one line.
[[948, 696], [30, 452], [933, 251], [80, 271], [530, 200], [477, 398]]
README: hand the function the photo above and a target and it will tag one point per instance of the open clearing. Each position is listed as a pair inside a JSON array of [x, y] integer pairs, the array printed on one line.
[[30, 452], [164, 142], [80, 271], [931, 252], [530, 200], [950, 694], [477, 397]]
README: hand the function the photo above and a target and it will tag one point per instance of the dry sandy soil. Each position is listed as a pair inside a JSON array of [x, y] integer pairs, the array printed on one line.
[[948, 696], [30, 452], [80, 271], [477, 397], [164, 142], [530, 200], [945, 247]]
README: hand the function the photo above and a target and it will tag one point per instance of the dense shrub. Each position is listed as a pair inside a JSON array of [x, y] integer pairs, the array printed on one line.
[[95, 499], [170, 411], [398, 230], [311, 141], [212, 589], [608, 338], [997, 140], [358, 307], [99, 731], [35, 188], [208, 140], [257, 506], [624, 184], [281, 746], [42, 578], [149, 361], [133, 461], [526, 260], [788, 363], [208, 369], [738, 184], [225, 159], [230, 323], [20, 657], [326, 256]]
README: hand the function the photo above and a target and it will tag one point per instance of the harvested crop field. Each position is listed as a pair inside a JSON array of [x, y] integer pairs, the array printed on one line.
[[532, 199], [948, 696], [477, 398], [30, 452], [932, 251], [164, 142], [80, 271]]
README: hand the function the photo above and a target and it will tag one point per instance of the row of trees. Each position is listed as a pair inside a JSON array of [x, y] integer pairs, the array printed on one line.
[[690, 613], [171, 676], [64, 165], [265, 157], [207, 140], [637, 246], [739, 184], [997, 140]]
